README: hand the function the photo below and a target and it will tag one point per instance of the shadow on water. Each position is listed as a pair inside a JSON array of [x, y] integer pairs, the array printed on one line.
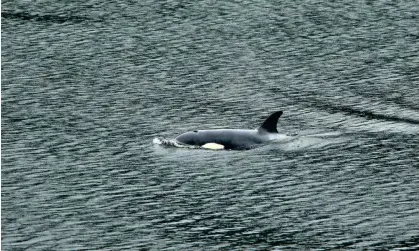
[[45, 18]]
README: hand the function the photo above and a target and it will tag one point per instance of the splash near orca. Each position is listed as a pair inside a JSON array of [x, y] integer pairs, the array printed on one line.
[[232, 139]]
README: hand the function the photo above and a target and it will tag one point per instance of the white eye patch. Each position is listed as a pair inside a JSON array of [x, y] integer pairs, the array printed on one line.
[[213, 146]]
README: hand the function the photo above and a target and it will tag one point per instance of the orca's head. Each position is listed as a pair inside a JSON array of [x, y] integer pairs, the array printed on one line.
[[194, 138]]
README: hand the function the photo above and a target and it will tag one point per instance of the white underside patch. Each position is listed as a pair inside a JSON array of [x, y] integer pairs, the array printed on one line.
[[213, 146]]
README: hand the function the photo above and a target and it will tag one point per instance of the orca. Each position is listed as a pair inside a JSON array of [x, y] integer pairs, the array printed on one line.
[[232, 139]]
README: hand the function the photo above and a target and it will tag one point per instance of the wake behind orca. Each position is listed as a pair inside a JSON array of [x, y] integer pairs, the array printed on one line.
[[232, 139]]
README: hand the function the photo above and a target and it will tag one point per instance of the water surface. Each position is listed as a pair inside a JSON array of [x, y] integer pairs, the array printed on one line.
[[87, 86]]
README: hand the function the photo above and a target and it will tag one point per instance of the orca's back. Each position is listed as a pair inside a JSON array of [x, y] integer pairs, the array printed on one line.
[[232, 138]]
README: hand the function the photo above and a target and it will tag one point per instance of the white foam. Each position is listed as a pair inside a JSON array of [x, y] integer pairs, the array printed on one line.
[[170, 143]]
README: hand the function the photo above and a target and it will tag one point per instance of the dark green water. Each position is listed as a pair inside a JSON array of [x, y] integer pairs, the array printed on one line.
[[87, 86]]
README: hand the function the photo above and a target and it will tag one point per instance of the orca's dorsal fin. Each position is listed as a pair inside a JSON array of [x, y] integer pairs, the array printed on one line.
[[270, 123]]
